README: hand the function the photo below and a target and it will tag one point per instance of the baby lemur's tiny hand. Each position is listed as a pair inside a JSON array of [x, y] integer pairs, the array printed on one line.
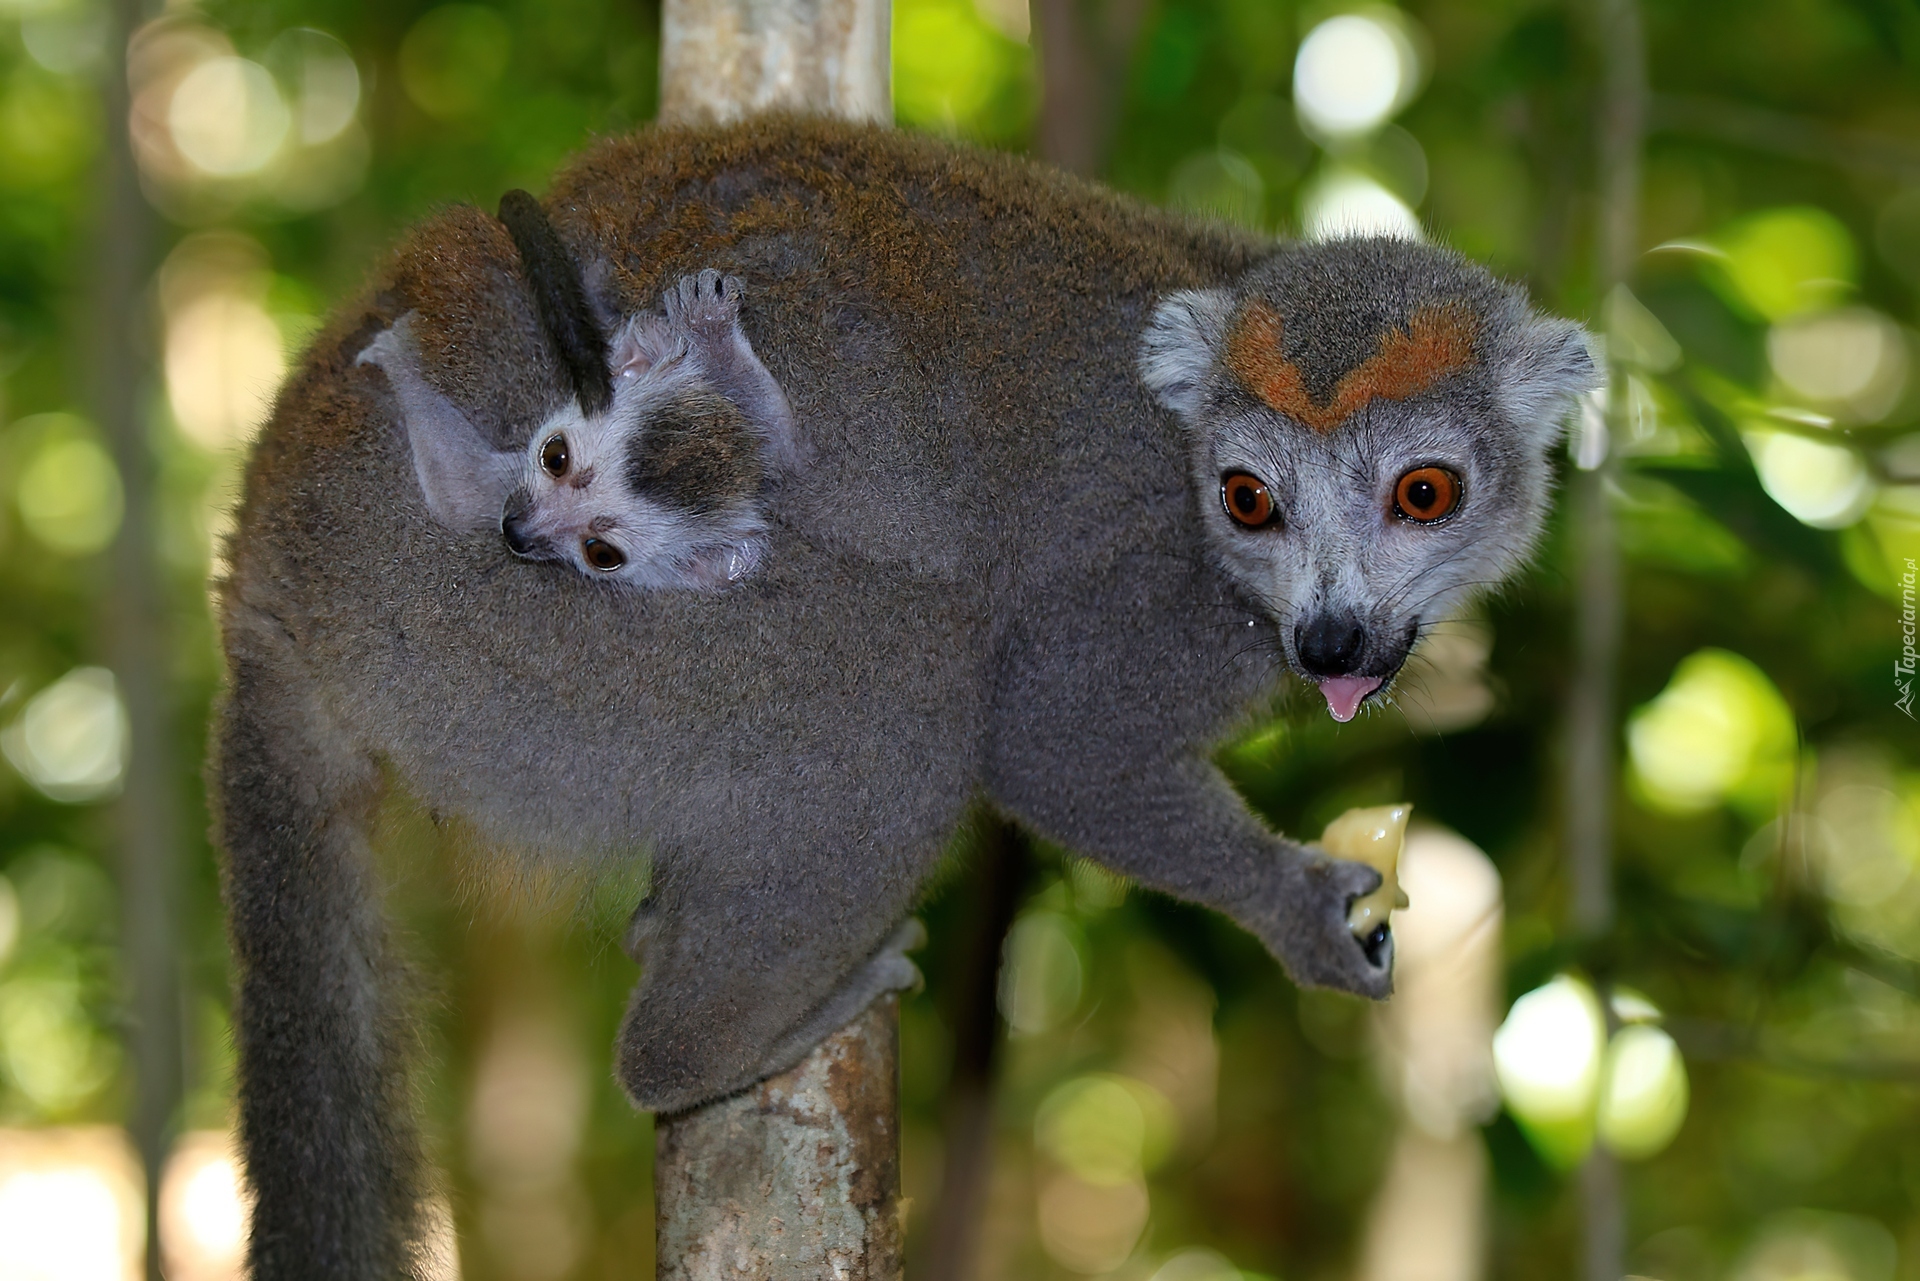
[[706, 303]]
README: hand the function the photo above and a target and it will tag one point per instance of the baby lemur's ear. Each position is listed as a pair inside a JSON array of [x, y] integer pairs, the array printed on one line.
[[465, 480], [1182, 346], [638, 345], [1540, 364]]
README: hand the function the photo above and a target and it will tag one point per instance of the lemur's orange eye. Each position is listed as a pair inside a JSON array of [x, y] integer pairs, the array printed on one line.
[[1246, 498], [602, 555], [553, 456], [1426, 494]]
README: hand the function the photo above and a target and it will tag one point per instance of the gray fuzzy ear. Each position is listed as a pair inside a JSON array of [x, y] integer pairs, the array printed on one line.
[[1546, 364], [464, 479], [1182, 345], [639, 344]]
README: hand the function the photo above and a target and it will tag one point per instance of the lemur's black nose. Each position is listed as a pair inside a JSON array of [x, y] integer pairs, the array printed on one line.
[[513, 529], [1329, 644]]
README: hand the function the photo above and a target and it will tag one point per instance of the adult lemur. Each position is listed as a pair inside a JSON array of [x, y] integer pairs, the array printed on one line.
[[1083, 477]]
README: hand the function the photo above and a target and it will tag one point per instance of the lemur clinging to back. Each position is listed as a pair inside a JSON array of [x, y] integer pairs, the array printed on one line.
[[652, 474], [1081, 478]]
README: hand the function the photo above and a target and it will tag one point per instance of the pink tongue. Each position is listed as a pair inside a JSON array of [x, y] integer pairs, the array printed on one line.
[[1345, 692]]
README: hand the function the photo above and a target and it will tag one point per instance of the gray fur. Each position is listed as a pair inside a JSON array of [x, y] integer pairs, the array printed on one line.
[[998, 579], [463, 479], [1336, 555]]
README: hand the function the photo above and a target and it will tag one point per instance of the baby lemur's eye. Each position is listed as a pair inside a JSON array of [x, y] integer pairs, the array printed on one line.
[[1247, 500], [553, 456], [1426, 494], [601, 554]]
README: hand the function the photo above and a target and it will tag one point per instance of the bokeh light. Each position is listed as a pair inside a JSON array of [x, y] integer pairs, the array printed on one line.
[[1821, 483], [1785, 262], [1012, 18], [224, 362], [71, 1205], [1435, 1059], [1198, 1265], [224, 355], [161, 55], [48, 130], [951, 69], [1091, 1227], [70, 740], [525, 1121], [1437, 1031], [1876, 845], [1105, 1128], [1043, 974], [203, 1209], [1428, 1219], [1444, 688], [1352, 73], [65, 39], [1547, 1055], [69, 494], [1818, 1245], [215, 133], [54, 1054], [1853, 361], [227, 117], [1346, 202], [1719, 731], [323, 79], [1863, 839], [1643, 1092], [9, 919]]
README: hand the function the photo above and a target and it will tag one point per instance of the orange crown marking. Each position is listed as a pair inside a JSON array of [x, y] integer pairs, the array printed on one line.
[[1436, 342]]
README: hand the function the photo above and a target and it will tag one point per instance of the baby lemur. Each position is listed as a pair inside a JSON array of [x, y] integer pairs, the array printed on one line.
[[1083, 479], [652, 474]]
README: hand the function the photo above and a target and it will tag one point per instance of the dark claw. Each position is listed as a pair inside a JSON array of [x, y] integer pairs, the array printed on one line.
[[1375, 944]]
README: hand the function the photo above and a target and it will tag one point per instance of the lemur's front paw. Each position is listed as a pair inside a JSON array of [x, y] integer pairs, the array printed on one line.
[[1315, 942], [719, 568], [705, 302]]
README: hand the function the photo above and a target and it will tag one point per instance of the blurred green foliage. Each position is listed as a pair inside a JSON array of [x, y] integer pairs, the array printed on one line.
[[1768, 504]]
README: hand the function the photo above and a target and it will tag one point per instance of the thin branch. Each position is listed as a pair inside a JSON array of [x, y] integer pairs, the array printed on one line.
[[1783, 133]]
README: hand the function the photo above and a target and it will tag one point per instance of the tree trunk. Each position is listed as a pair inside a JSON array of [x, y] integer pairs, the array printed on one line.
[[797, 1179], [721, 60], [1599, 598], [136, 628], [947, 1251]]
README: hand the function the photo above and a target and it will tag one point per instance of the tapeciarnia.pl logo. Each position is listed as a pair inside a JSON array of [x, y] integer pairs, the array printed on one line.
[[1904, 665]]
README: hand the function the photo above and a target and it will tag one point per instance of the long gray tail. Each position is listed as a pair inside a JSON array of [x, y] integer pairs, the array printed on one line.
[[325, 1118]]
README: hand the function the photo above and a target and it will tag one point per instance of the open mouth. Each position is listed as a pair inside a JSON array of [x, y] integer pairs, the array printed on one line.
[[1344, 694]]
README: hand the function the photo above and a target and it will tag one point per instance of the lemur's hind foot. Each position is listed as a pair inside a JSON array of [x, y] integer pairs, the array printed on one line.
[[692, 1036], [887, 970]]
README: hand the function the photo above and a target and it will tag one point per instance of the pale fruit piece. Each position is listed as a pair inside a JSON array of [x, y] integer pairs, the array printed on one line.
[[1372, 835]]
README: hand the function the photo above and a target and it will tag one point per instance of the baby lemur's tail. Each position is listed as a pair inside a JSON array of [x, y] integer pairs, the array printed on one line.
[[325, 1119]]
